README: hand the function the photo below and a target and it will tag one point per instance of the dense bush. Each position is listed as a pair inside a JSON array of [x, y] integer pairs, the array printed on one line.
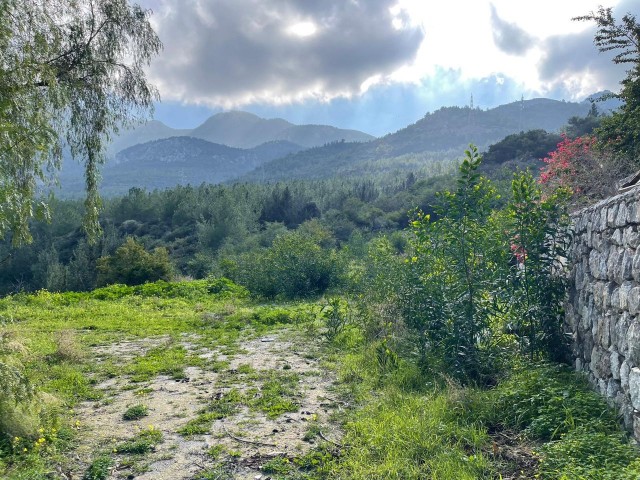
[[299, 263], [131, 264]]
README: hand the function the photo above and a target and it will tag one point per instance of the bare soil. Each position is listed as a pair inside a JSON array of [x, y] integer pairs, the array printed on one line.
[[247, 439]]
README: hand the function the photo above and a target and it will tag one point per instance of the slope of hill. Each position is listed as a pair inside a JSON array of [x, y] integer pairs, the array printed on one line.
[[183, 160], [444, 134], [152, 130], [245, 130]]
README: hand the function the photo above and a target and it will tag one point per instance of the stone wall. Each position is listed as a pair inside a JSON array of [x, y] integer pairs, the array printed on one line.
[[603, 308]]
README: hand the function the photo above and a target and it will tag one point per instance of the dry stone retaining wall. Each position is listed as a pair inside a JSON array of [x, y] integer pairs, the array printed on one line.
[[603, 308]]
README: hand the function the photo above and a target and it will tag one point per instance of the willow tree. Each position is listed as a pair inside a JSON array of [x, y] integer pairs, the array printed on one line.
[[71, 74]]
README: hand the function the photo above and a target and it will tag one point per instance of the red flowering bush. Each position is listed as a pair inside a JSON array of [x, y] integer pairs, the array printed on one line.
[[586, 170]]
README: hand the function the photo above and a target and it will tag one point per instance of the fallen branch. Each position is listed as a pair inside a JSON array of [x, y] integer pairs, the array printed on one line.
[[330, 441], [242, 440]]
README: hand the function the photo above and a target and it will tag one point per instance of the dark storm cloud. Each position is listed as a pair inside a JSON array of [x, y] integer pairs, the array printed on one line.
[[509, 37], [575, 54], [234, 51]]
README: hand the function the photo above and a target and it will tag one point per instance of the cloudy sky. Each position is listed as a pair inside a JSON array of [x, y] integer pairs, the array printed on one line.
[[372, 65]]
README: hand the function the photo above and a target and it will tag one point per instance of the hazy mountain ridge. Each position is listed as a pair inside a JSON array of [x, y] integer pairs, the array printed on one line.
[[186, 160], [445, 132], [439, 135], [240, 130]]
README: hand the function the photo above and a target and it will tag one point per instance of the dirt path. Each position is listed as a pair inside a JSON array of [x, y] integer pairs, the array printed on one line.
[[239, 444]]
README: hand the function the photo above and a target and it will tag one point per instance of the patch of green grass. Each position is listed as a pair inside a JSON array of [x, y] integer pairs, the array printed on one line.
[[217, 472], [313, 431], [277, 394], [99, 468], [584, 454], [167, 360], [549, 400], [199, 425], [143, 442], [136, 412], [221, 407], [245, 369], [70, 382], [215, 451], [277, 465], [412, 436]]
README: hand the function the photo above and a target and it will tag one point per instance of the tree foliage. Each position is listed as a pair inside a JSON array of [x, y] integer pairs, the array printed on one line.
[[71, 73], [131, 264], [621, 131], [456, 262]]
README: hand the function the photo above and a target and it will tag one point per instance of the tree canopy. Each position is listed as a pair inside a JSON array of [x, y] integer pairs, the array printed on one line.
[[621, 130], [71, 74]]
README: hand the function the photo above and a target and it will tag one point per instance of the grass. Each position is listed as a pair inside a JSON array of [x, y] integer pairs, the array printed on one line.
[[406, 426], [136, 412], [143, 442]]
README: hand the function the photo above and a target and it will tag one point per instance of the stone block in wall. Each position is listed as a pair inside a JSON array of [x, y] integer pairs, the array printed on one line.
[[614, 361], [625, 410], [623, 268], [613, 387], [636, 424], [635, 266], [601, 331], [634, 212], [622, 215], [598, 242], [633, 301], [598, 265], [618, 330], [633, 340], [612, 213], [601, 219], [600, 364], [626, 269], [625, 371], [634, 387], [613, 258], [631, 238], [616, 237]]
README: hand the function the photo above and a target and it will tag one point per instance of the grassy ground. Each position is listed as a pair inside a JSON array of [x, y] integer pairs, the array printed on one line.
[[197, 378]]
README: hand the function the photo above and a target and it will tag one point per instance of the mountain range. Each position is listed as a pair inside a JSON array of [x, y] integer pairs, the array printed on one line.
[[240, 146]]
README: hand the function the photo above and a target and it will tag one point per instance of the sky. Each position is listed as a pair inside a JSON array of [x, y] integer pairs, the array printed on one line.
[[372, 65]]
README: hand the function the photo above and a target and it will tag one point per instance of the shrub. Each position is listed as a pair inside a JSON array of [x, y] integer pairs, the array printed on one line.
[[298, 264], [131, 264], [588, 172]]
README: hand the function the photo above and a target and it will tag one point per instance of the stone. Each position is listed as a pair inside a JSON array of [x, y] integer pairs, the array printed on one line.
[[622, 216], [635, 266], [634, 212], [631, 238], [612, 212], [614, 360], [613, 387], [601, 331], [598, 265], [633, 340], [626, 266], [602, 386], [634, 387], [616, 238], [615, 299], [614, 260], [625, 370], [633, 301], [626, 412], [620, 327]]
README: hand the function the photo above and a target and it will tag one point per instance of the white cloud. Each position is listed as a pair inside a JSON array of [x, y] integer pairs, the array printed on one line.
[[234, 52]]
